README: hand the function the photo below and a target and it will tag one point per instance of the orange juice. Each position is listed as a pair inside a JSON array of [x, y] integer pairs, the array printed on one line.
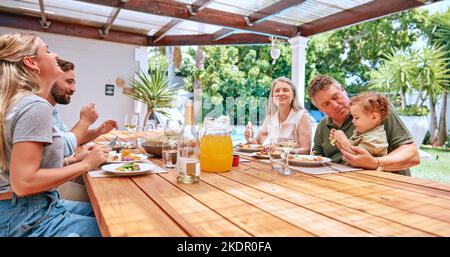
[[216, 153]]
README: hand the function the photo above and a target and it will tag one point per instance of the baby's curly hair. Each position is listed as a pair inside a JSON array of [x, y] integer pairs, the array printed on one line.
[[373, 102]]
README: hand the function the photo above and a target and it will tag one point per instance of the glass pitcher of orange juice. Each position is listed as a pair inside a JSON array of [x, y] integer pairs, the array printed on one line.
[[216, 147]]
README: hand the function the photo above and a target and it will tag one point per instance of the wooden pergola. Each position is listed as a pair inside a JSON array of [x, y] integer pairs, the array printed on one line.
[[158, 22], [146, 23]]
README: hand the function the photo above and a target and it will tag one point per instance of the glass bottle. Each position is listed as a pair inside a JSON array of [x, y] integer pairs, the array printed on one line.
[[188, 161]]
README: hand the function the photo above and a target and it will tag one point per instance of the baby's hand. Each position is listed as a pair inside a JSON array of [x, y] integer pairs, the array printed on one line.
[[333, 137], [337, 136]]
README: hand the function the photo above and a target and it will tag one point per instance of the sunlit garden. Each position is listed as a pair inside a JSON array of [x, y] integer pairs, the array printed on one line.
[[406, 56]]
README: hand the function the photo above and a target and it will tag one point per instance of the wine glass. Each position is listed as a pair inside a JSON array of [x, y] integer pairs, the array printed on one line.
[[172, 130], [131, 122], [286, 141]]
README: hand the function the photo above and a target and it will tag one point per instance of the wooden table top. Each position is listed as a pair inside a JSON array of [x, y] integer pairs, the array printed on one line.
[[253, 200]]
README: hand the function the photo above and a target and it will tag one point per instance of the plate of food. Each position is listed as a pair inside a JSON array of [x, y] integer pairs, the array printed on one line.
[[128, 169], [308, 160], [124, 156], [262, 155], [250, 148]]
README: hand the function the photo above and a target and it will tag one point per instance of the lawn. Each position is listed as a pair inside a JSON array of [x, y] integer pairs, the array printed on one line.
[[436, 169]]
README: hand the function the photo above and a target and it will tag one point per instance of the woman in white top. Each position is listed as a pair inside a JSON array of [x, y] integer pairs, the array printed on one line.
[[284, 111]]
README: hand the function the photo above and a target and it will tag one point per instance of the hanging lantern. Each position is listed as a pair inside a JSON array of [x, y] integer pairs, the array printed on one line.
[[275, 50]]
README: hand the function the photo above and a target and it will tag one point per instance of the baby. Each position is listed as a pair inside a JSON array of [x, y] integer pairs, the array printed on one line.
[[369, 110]]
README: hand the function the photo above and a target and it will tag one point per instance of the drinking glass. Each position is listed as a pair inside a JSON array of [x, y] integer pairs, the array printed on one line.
[[286, 141], [286, 144], [172, 130], [275, 156], [141, 136], [131, 122]]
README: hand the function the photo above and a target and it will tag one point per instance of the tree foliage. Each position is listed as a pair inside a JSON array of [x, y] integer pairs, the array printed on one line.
[[350, 54], [236, 71]]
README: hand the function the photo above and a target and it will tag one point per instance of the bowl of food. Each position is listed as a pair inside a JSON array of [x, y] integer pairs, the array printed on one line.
[[153, 143], [154, 148]]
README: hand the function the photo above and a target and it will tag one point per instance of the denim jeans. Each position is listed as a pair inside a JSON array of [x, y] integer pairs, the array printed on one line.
[[44, 214]]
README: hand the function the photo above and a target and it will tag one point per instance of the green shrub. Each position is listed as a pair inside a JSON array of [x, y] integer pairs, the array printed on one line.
[[447, 142], [413, 110]]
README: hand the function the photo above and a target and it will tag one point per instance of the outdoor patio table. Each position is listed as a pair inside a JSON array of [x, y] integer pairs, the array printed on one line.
[[253, 200]]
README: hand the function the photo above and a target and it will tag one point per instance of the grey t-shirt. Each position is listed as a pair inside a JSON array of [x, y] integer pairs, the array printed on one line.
[[30, 120]]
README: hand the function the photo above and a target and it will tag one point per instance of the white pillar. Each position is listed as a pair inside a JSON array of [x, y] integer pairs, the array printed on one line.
[[171, 65], [298, 45], [197, 85], [141, 56]]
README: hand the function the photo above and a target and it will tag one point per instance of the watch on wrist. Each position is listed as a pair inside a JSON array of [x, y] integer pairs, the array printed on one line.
[[380, 166]]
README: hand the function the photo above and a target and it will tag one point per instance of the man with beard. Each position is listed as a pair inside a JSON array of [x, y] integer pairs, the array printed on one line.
[[331, 98], [61, 92], [80, 134]]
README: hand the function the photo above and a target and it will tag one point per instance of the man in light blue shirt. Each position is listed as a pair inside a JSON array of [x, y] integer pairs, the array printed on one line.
[[80, 134], [70, 140]]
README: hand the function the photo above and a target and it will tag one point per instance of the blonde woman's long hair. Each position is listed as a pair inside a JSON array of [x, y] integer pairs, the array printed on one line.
[[16, 80], [272, 107]]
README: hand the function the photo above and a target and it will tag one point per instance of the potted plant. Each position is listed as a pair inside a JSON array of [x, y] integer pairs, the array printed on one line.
[[153, 90], [416, 119]]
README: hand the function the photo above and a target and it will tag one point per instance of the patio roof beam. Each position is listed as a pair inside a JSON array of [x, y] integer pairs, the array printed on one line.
[[178, 10], [109, 22], [70, 29], [273, 9], [207, 39], [371, 10], [165, 29], [45, 24], [260, 16], [222, 33], [194, 8], [198, 5]]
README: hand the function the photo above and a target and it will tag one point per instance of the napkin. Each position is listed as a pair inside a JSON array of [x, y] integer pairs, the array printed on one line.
[[324, 169]]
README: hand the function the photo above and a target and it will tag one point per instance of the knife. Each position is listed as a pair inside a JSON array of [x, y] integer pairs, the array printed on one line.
[[113, 142]]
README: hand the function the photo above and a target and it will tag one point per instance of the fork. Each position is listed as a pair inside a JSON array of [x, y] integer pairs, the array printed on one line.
[[329, 166]]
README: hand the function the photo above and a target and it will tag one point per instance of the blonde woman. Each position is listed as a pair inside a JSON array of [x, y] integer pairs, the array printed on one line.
[[285, 118], [31, 159]]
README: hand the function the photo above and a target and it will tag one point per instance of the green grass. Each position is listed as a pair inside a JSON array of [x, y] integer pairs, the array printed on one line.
[[436, 169]]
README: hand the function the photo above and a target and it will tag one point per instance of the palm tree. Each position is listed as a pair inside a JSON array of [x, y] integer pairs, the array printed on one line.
[[153, 90], [439, 33], [394, 75], [431, 78]]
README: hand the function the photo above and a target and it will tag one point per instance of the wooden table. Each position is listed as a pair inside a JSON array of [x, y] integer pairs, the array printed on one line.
[[253, 200]]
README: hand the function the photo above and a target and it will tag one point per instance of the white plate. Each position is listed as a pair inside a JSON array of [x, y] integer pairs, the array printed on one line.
[[261, 156], [308, 160], [144, 168], [142, 157], [251, 149]]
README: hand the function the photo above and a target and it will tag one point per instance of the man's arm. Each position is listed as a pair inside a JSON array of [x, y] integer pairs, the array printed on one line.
[[88, 115], [405, 156], [92, 134]]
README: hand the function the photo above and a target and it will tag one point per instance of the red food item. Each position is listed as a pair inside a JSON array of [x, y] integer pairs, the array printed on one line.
[[235, 160]]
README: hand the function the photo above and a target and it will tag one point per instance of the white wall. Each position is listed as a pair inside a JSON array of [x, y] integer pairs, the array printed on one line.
[[96, 63]]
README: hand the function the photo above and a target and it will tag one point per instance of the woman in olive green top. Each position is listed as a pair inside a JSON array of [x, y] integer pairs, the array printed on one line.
[[330, 98]]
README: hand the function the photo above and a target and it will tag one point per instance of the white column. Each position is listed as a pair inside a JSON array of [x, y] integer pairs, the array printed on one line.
[[171, 67], [298, 45], [141, 56]]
